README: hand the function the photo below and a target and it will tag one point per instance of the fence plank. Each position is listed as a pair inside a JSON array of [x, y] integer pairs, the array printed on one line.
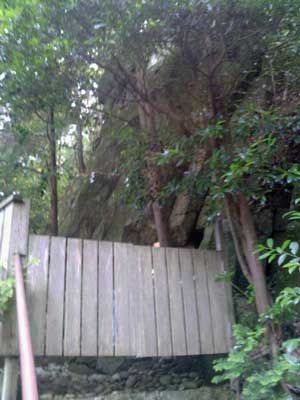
[[229, 318], [89, 313], [135, 300], [146, 319], [176, 304], [218, 302], [73, 298], [123, 346], [190, 302], [36, 290], [55, 306], [106, 324], [163, 319], [203, 302]]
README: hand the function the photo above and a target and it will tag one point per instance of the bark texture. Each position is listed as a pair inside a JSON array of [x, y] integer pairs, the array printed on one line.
[[51, 134], [147, 123]]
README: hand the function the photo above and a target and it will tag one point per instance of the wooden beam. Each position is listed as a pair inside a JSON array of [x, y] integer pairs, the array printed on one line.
[[14, 239], [14, 198]]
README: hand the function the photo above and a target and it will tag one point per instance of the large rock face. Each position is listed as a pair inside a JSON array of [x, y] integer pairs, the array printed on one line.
[[93, 207]]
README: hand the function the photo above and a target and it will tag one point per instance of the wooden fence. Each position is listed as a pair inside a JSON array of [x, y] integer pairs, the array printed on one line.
[[90, 298]]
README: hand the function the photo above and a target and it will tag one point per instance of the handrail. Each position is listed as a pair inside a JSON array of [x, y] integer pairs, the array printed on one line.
[[28, 376]]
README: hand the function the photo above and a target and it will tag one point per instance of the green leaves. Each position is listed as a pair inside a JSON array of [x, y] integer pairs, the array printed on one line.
[[261, 377], [294, 247], [286, 254], [6, 294]]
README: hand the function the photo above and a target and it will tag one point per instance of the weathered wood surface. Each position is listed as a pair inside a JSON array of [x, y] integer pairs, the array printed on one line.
[[55, 298], [89, 298], [106, 295], [14, 239], [89, 311]]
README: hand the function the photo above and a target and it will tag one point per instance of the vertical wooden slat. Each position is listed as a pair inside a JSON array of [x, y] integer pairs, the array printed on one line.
[[20, 229], [123, 343], [89, 313], [176, 304], [190, 302], [228, 306], [218, 302], [203, 302], [105, 298], [223, 266], [163, 319], [36, 289], [7, 230], [133, 293], [56, 287], [73, 298], [144, 304]]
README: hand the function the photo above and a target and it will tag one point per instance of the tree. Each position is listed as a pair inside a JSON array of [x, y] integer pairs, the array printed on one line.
[[123, 40], [38, 80]]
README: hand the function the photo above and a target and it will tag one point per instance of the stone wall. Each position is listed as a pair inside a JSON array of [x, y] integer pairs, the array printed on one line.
[[123, 378], [204, 393]]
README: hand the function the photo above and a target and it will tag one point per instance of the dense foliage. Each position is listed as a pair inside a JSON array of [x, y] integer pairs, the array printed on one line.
[[262, 377]]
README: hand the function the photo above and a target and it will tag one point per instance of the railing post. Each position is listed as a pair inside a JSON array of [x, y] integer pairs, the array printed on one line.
[[14, 218]]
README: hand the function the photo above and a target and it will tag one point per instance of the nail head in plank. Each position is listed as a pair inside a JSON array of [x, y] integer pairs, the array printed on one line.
[[105, 298], [55, 313], [36, 290], [73, 298]]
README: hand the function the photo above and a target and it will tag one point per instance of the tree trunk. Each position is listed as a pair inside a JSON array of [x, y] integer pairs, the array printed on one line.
[[255, 266], [245, 241], [53, 174], [162, 226], [147, 122], [80, 156]]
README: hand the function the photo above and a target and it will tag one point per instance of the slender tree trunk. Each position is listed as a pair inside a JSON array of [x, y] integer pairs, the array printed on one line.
[[245, 241], [53, 174], [147, 122], [162, 226], [262, 296], [80, 156]]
